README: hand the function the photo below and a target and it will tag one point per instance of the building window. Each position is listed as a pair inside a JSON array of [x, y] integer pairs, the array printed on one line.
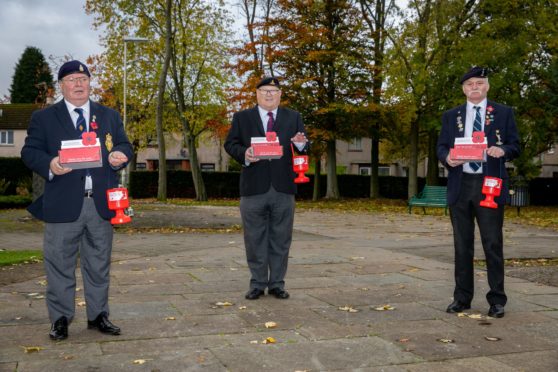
[[355, 144], [441, 172], [6, 137], [141, 166], [207, 167], [383, 170], [551, 149], [364, 171]]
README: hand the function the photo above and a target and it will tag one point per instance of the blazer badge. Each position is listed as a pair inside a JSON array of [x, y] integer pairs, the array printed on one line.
[[108, 142]]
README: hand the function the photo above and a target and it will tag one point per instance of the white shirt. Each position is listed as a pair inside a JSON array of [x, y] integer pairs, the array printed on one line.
[[469, 123]]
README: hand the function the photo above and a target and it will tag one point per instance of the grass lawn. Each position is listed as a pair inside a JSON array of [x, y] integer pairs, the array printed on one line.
[[17, 257]]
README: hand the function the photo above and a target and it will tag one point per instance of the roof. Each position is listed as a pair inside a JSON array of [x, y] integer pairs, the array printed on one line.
[[17, 115]]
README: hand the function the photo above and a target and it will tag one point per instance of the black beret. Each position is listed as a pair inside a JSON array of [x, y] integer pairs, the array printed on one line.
[[480, 72], [268, 81], [72, 67]]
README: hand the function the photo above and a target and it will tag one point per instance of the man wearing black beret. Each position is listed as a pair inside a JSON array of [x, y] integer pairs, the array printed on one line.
[[465, 181], [74, 203], [267, 187]]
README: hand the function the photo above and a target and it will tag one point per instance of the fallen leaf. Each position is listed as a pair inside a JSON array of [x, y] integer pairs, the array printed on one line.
[[234, 269], [170, 318], [68, 357], [404, 339], [32, 349], [462, 315], [254, 342], [364, 289], [140, 361], [349, 309], [18, 318], [42, 282], [242, 308], [81, 303], [445, 340], [270, 324], [384, 308], [226, 303], [475, 316], [487, 338], [269, 340]]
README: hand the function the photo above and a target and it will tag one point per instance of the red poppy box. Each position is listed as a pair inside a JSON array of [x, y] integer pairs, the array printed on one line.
[[470, 148], [76, 154], [267, 147]]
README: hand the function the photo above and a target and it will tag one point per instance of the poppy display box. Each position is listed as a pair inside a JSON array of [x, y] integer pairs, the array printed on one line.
[[470, 148], [74, 154], [267, 147]]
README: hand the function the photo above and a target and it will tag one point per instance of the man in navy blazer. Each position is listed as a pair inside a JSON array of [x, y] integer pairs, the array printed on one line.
[[465, 181], [267, 187], [74, 203]]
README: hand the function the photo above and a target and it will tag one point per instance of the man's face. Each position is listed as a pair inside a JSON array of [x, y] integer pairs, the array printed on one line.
[[476, 89], [75, 88], [268, 97]]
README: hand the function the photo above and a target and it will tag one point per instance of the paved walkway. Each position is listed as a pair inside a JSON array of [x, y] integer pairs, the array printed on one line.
[[169, 294]]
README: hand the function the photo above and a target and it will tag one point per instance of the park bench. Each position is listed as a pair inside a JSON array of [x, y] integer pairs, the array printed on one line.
[[430, 196]]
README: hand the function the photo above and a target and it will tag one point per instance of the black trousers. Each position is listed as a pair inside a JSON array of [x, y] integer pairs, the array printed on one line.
[[490, 222]]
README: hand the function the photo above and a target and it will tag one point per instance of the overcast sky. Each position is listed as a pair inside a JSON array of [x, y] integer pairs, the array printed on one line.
[[56, 27]]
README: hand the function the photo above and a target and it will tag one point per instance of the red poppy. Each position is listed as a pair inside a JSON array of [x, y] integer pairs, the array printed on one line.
[[94, 125], [89, 138]]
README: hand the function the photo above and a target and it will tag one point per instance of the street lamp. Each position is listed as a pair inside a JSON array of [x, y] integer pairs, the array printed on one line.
[[128, 39]]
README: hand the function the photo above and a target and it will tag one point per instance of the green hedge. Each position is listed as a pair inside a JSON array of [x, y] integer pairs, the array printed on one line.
[[13, 170], [14, 201], [143, 184]]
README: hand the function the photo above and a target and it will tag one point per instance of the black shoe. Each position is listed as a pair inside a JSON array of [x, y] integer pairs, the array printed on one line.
[[254, 294], [496, 311], [103, 325], [279, 293], [59, 329], [457, 307]]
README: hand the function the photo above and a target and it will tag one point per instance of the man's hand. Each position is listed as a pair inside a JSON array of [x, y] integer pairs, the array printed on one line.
[[495, 152], [299, 138], [57, 169], [117, 158], [453, 163], [249, 155]]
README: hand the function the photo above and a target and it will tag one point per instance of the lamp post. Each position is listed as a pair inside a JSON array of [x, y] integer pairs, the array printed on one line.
[[128, 39]]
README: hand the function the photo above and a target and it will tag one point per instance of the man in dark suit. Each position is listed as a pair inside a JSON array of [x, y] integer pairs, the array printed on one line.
[[74, 203], [465, 181], [267, 187]]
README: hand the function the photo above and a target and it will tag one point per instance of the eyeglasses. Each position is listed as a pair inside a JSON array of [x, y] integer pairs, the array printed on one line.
[[75, 80], [269, 91]]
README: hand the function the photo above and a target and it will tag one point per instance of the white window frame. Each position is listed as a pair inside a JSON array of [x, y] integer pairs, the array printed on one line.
[[5, 135]]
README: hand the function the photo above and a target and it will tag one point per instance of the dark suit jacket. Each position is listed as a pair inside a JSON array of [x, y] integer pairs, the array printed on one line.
[[62, 199], [502, 125], [257, 177]]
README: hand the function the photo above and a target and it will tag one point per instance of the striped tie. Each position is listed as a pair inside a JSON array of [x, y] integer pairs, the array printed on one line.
[[81, 125], [477, 127], [270, 122]]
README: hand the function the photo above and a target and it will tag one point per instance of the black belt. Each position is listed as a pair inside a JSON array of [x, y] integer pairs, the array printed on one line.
[[88, 193]]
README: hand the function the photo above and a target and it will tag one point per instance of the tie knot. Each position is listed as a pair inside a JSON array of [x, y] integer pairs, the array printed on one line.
[[79, 110], [270, 114], [477, 108]]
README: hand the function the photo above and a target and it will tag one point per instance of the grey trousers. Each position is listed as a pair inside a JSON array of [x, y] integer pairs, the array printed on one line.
[[267, 220], [91, 236]]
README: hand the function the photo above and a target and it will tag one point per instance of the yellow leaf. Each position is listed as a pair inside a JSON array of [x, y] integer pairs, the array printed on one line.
[[350, 309], [242, 308], [42, 282], [32, 349], [226, 303], [475, 316], [81, 303], [445, 340], [140, 361], [270, 324], [269, 340], [384, 308], [254, 341], [487, 338], [462, 315], [170, 318]]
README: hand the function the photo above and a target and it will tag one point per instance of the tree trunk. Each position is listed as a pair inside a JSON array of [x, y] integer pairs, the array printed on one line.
[[374, 163], [332, 186], [432, 171], [162, 182], [199, 186], [317, 172], [412, 187]]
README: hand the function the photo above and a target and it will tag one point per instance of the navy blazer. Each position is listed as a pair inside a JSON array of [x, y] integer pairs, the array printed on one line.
[[257, 177], [502, 128], [62, 199]]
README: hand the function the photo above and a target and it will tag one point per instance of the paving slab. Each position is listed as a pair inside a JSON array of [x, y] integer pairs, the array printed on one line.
[[179, 298]]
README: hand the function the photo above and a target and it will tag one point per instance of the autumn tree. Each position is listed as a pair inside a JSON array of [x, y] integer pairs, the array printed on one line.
[[321, 49], [32, 77]]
